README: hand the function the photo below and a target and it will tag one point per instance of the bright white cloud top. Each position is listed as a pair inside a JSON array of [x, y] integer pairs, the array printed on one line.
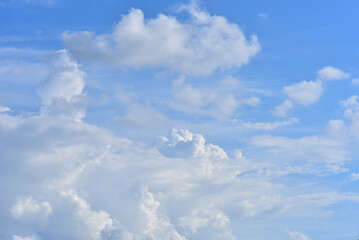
[[197, 47], [177, 123]]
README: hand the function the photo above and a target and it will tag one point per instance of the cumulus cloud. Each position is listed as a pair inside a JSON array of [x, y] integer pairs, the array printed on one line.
[[308, 92], [196, 47], [62, 91], [183, 143], [87, 182], [331, 73], [304, 93]]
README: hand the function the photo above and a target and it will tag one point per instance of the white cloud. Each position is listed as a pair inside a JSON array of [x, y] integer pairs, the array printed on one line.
[[144, 115], [336, 127], [104, 187], [62, 92], [263, 15], [16, 237], [304, 93], [27, 209], [90, 223], [330, 73], [282, 109], [251, 101], [219, 102], [183, 143], [354, 177], [18, 71], [307, 92], [207, 224], [4, 109], [269, 125], [322, 154], [297, 235], [349, 126], [196, 47], [230, 81]]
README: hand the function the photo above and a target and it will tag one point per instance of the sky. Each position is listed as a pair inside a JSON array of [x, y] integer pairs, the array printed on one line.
[[181, 120]]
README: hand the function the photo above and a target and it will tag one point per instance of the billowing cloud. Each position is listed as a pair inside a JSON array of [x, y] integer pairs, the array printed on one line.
[[331, 73], [183, 143], [196, 47], [83, 181], [62, 91]]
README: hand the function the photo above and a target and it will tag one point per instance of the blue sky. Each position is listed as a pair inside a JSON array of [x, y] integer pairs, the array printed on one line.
[[179, 120]]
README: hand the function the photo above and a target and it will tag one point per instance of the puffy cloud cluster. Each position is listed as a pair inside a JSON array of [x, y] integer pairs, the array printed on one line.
[[306, 93], [67, 179], [196, 47], [183, 143], [74, 181]]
